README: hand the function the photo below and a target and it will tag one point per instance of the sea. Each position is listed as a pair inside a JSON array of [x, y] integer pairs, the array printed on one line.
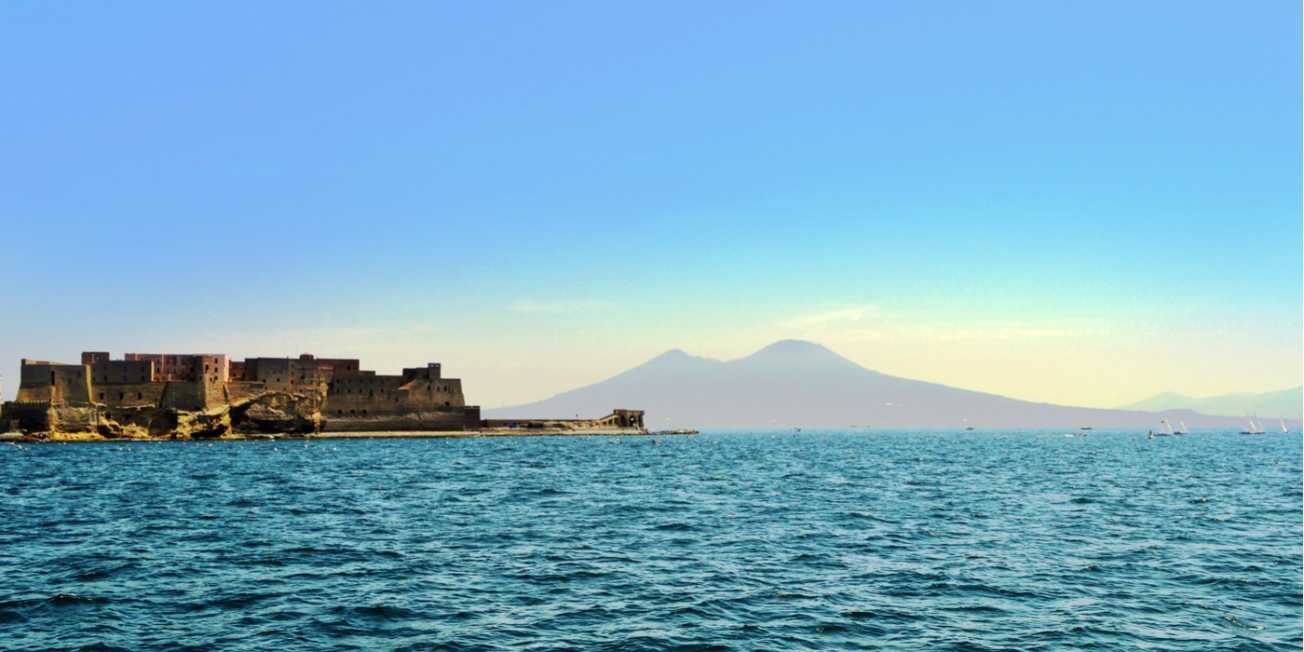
[[815, 540]]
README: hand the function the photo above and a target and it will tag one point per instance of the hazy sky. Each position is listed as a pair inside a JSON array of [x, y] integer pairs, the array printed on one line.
[[1079, 202]]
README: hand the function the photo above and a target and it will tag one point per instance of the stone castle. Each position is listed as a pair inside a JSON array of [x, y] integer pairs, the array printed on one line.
[[210, 395]]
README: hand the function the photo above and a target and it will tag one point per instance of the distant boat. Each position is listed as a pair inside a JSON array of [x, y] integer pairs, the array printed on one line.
[[1181, 429], [1253, 428], [1085, 428], [967, 427], [1168, 428], [1283, 426]]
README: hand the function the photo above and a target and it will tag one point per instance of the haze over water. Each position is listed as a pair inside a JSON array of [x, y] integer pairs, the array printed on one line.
[[881, 540]]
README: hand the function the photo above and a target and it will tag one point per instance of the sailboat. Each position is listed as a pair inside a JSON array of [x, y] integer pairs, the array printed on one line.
[[1168, 429], [1253, 428], [1283, 426], [1181, 428]]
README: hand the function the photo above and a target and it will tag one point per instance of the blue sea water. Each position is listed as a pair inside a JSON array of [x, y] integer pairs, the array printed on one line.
[[723, 541]]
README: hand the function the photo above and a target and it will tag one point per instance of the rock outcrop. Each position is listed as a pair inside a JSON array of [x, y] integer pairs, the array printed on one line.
[[277, 412], [271, 412]]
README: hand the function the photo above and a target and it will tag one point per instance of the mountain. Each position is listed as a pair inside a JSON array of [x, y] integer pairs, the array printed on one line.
[[798, 383], [1283, 403]]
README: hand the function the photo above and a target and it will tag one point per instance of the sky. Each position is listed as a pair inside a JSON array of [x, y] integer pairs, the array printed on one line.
[[1077, 202]]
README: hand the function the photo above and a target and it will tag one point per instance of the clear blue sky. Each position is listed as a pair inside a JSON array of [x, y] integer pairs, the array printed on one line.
[[540, 194]]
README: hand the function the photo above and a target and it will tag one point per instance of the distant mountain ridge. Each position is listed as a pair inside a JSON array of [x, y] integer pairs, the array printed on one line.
[[1282, 403], [799, 383]]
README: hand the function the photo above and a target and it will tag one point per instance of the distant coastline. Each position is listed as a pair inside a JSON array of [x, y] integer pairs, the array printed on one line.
[[798, 383]]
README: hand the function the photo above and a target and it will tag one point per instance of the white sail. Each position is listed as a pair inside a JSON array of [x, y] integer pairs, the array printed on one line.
[[1167, 427], [1283, 426], [1183, 425]]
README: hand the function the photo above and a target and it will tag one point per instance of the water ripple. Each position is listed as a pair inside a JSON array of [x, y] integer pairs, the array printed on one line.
[[893, 541]]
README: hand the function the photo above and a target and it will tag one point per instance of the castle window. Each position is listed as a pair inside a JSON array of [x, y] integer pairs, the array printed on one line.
[[140, 395], [101, 396], [121, 396]]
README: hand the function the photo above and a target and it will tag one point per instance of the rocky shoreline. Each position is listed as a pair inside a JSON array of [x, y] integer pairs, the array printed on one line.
[[269, 415]]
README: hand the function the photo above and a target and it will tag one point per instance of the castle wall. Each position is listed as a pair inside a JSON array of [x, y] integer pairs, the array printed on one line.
[[117, 372], [365, 395], [93, 357], [186, 366], [371, 395], [243, 390], [440, 420], [29, 417], [182, 395], [429, 372], [129, 394], [339, 365], [55, 384], [213, 368], [288, 375]]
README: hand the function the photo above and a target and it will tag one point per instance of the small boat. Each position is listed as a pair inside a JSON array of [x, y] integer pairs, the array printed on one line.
[[1283, 426], [1085, 428], [1181, 429], [1253, 428], [1168, 428]]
